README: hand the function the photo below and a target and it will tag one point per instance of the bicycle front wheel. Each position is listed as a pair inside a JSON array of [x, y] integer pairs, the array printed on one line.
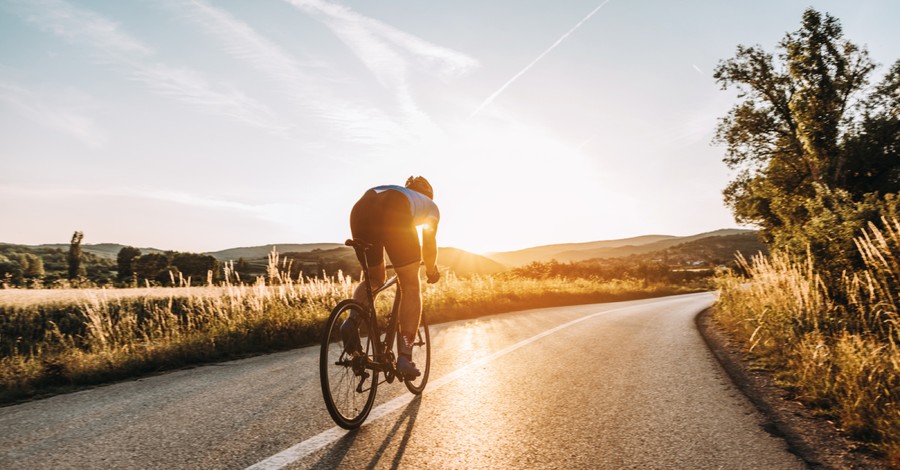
[[348, 385], [421, 356]]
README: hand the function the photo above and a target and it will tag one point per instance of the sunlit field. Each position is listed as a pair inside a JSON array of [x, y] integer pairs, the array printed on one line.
[[838, 351], [57, 339]]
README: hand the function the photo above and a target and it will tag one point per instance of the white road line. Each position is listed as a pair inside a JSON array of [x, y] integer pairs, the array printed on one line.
[[307, 447]]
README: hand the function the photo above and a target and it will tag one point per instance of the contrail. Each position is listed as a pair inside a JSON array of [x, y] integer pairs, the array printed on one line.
[[494, 95]]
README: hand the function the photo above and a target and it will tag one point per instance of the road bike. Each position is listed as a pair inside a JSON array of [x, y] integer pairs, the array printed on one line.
[[350, 381]]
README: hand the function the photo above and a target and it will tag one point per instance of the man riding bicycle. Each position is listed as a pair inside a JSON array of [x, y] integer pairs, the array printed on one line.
[[386, 218]]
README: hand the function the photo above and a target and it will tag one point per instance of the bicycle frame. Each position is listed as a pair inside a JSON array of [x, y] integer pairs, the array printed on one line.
[[384, 355]]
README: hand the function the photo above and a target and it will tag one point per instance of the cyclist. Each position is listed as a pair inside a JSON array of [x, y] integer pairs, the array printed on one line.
[[386, 217]]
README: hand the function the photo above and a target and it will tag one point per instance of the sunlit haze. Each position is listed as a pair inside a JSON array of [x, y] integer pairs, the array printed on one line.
[[205, 125]]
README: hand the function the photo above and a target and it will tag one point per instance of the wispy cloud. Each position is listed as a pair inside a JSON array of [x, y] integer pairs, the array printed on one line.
[[494, 95], [36, 108], [275, 212], [267, 211], [136, 60], [387, 52], [354, 121]]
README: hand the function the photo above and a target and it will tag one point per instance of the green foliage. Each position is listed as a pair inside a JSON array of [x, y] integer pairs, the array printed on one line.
[[836, 346], [816, 149], [125, 262], [194, 265], [323, 263], [15, 260], [76, 270]]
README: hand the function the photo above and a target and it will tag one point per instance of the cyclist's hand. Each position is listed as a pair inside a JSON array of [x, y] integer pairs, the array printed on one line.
[[433, 276]]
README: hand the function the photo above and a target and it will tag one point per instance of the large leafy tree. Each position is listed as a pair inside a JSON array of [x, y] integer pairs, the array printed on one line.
[[125, 262], [809, 133], [195, 265], [150, 265]]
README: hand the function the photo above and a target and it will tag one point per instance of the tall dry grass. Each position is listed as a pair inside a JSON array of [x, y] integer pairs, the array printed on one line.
[[87, 336], [837, 349]]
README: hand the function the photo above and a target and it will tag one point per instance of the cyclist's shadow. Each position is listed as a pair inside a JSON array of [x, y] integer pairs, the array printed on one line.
[[404, 424]]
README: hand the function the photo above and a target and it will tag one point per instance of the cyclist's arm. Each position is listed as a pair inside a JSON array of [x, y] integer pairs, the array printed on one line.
[[429, 248]]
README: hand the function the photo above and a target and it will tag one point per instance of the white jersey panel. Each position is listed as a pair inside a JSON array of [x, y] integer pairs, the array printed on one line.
[[424, 210]]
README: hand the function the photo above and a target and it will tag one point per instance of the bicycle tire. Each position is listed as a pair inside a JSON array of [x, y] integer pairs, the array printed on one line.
[[421, 356], [349, 397]]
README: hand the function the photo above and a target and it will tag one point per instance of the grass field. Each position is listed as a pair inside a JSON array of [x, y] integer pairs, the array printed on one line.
[[837, 350], [54, 340]]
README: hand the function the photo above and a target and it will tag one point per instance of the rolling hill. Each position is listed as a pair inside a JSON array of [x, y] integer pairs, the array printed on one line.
[[572, 252], [464, 263], [255, 252], [102, 250]]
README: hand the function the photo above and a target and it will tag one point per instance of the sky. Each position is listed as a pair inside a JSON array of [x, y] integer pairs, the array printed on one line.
[[205, 125]]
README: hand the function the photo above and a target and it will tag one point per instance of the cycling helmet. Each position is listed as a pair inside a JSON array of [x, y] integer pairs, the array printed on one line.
[[420, 184]]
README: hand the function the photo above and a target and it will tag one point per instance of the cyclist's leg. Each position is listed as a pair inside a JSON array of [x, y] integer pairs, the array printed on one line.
[[409, 315], [410, 300], [376, 279], [350, 327]]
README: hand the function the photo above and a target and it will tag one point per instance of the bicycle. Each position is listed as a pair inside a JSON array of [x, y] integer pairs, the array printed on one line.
[[350, 381]]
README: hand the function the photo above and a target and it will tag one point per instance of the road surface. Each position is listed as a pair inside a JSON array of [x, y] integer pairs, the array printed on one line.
[[619, 385]]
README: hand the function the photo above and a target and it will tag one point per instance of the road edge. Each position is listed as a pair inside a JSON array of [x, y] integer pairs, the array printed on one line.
[[813, 439]]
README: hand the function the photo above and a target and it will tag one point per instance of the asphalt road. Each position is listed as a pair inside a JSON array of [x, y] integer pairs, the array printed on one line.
[[621, 385]]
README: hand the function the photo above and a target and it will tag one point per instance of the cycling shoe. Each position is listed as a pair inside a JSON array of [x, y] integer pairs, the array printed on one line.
[[350, 336], [407, 368]]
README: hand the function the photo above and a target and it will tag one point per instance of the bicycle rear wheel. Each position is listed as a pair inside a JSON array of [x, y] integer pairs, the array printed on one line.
[[421, 356], [347, 385]]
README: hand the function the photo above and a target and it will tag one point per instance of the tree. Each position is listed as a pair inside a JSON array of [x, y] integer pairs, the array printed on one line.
[[125, 262], [33, 267], [76, 270], [9, 271], [194, 265], [150, 265], [808, 132]]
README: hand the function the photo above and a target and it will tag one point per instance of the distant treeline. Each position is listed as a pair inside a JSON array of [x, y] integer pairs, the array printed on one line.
[[41, 267], [22, 266]]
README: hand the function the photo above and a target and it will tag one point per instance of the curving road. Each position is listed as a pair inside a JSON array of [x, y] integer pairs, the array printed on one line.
[[619, 385]]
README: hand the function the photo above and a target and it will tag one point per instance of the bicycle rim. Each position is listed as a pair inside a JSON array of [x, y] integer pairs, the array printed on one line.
[[348, 396], [421, 356]]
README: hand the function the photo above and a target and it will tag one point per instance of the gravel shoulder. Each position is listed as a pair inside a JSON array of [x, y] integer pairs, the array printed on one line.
[[814, 439]]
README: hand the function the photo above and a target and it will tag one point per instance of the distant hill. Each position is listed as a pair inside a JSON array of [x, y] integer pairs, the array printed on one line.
[[339, 257], [464, 263], [571, 252], [459, 261], [714, 251], [111, 250], [102, 250], [254, 252], [548, 252]]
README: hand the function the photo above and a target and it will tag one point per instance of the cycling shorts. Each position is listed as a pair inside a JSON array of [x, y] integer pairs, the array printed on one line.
[[384, 220]]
